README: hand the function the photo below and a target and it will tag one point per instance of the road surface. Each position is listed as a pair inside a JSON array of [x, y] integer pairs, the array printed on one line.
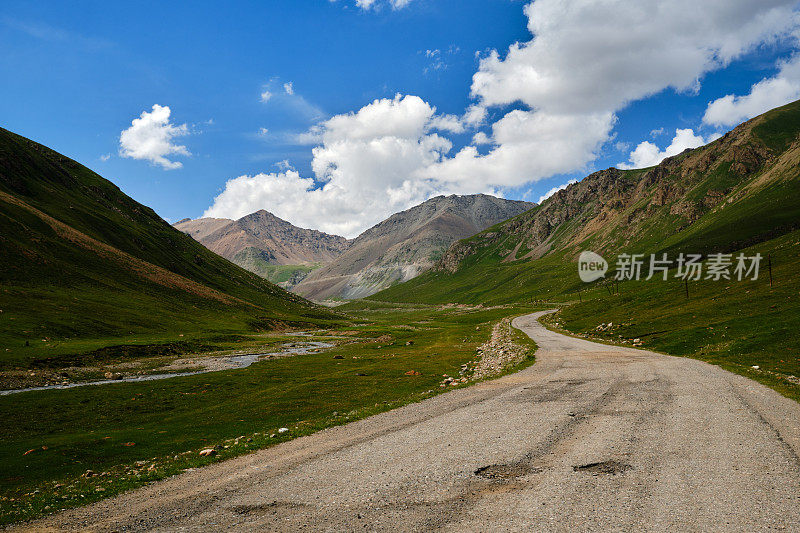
[[590, 438]]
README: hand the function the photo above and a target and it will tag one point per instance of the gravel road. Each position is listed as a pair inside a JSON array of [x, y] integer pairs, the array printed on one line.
[[590, 438]]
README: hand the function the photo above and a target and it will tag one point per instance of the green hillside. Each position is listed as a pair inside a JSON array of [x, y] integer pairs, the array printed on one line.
[[739, 193], [83, 266]]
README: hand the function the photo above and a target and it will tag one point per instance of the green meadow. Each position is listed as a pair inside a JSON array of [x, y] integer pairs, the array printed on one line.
[[161, 425]]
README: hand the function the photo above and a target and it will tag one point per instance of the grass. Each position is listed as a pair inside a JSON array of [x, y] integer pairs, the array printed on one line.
[[731, 207], [733, 324], [163, 424], [257, 261], [82, 265]]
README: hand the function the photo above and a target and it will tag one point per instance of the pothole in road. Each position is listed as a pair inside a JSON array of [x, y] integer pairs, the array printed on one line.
[[267, 508], [512, 471], [603, 467]]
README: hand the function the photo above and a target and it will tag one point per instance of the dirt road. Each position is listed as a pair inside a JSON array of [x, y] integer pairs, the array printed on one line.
[[591, 437]]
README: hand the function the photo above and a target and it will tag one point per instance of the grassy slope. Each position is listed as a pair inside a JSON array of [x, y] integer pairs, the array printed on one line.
[[167, 418], [253, 260], [759, 320], [106, 269]]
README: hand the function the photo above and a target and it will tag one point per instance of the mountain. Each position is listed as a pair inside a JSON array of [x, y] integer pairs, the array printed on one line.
[[740, 190], [406, 244], [79, 259], [737, 195], [266, 245], [202, 227]]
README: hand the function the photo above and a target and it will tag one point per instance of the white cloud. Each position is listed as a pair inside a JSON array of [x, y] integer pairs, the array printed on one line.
[[450, 123], [586, 60], [648, 154], [475, 115], [554, 190], [285, 98], [589, 59], [589, 56], [481, 138], [150, 138], [529, 146], [105, 157], [366, 168], [374, 4], [767, 94]]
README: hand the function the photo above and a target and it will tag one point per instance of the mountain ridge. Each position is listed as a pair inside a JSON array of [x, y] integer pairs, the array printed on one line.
[[739, 190], [79, 259], [286, 243], [406, 244]]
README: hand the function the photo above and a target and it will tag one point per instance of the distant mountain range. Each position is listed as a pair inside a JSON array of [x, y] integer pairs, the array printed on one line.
[[266, 245], [322, 266], [406, 244]]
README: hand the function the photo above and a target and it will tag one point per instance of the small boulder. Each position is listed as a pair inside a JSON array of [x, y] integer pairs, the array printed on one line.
[[208, 452]]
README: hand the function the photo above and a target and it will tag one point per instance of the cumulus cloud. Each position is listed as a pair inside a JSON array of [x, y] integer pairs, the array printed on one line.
[[588, 56], [266, 95], [767, 94], [288, 88], [648, 154], [150, 138], [481, 138], [554, 190], [589, 59], [366, 168], [559, 93], [529, 146], [475, 115]]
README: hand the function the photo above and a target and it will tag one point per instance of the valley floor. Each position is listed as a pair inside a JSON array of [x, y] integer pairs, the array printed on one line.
[[64, 448], [592, 437]]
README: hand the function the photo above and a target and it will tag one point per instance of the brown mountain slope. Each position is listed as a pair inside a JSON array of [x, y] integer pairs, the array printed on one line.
[[741, 190], [202, 227], [406, 244], [260, 241], [735, 191]]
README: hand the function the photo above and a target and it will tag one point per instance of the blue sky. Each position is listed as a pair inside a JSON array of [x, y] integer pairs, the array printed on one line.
[[76, 74]]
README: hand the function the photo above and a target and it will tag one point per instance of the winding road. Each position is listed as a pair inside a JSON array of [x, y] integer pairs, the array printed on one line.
[[590, 438]]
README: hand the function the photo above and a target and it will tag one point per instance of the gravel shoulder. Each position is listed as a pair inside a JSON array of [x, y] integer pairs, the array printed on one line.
[[591, 437]]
